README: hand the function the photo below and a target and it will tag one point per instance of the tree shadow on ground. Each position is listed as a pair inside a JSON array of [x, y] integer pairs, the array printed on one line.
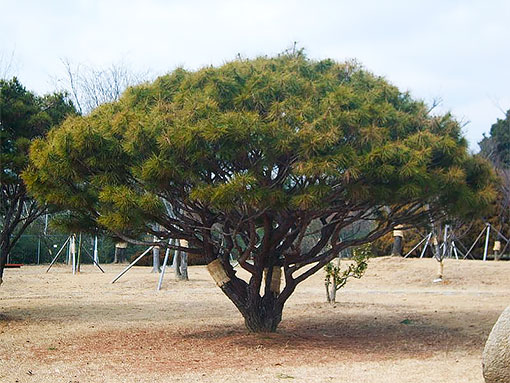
[[299, 341]]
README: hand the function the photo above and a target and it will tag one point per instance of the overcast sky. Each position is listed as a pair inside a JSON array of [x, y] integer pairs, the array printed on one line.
[[456, 51]]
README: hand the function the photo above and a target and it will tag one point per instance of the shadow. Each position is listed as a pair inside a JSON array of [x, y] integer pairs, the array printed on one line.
[[299, 341]]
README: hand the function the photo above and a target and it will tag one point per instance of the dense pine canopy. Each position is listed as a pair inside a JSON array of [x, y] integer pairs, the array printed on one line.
[[24, 117], [243, 160]]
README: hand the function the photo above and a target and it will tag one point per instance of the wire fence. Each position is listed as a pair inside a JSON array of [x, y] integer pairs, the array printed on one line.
[[40, 249]]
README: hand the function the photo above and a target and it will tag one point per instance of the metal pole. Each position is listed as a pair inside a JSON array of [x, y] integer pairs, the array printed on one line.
[[426, 244], [414, 248], [486, 247], [455, 250], [78, 259], [504, 249], [68, 254], [90, 256], [131, 265], [501, 235], [73, 253], [58, 253], [445, 237], [474, 243], [165, 261], [96, 255]]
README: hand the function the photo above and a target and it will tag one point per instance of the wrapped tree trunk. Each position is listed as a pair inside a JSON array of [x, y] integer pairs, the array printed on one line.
[[497, 249], [181, 262], [155, 260], [398, 237], [120, 251], [439, 258]]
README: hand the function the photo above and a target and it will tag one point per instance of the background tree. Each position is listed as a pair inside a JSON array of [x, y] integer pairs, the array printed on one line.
[[91, 86], [336, 278], [496, 148], [23, 117], [7, 65], [253, 157]]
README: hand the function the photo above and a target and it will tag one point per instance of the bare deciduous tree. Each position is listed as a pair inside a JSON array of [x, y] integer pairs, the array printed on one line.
[[91, 86]]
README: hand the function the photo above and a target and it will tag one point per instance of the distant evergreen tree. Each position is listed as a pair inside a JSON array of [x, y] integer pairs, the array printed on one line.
[[496, 148], [23, 117]]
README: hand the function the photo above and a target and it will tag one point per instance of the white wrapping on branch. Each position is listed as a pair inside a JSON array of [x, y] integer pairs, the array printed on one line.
[[217, 272], [497, 246], [276, 279], [398, 232]]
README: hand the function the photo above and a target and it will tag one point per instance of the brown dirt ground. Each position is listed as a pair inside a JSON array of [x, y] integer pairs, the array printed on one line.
[[393, 325]]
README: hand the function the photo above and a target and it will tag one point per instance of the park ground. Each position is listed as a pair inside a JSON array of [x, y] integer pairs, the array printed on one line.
[[394, 325]]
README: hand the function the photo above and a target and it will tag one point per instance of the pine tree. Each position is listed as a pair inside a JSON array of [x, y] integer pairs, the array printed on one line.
[[254, 157], [24, 117]]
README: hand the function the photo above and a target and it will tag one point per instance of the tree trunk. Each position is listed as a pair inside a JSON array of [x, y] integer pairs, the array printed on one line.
[[333, 293], [181, 267], [181, 262], [119, 256], [397, 246], [184, 266], [116, 256], [497, 249], [264, 317], [3, 259], [261, 313], [155, 260], [440, 270]]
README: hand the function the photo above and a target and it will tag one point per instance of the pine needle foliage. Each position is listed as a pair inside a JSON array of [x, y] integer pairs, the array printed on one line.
[[244, 157], [24, 117]]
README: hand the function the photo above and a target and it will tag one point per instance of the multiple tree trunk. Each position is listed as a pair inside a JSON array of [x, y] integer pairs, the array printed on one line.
[[20, 212]]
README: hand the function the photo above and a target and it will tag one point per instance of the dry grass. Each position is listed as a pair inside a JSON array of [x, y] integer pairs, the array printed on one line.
[[394, 325]]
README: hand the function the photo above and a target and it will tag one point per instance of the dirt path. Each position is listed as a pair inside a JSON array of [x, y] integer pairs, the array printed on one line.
[[394, 325]]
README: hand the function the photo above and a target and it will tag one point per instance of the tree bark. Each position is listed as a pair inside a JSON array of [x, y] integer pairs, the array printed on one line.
[[119, 255], [261, 313], [264, 317], [155, 260], [332, 295], [397, 246], [3, 260], [440, 269], [181, 267]]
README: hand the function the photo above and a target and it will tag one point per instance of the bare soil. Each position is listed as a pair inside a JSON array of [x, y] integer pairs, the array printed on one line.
[[394, 325]]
